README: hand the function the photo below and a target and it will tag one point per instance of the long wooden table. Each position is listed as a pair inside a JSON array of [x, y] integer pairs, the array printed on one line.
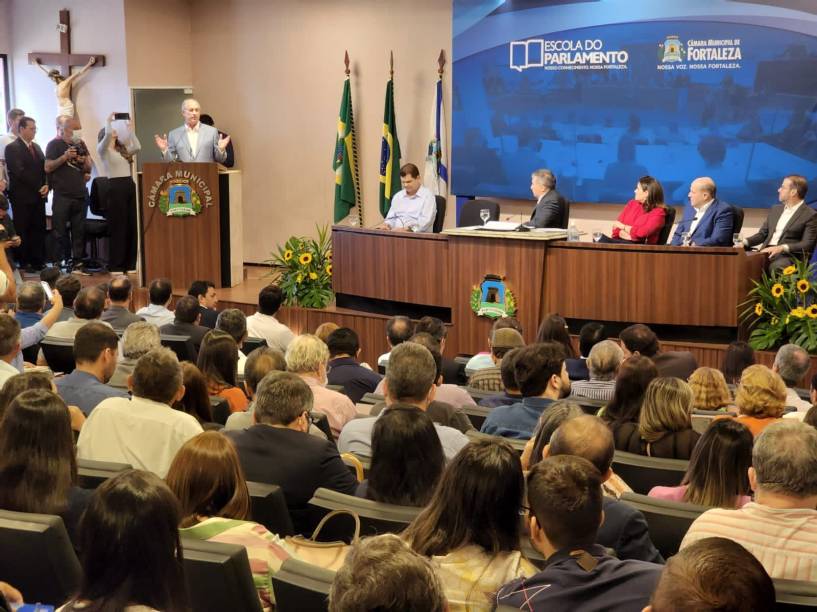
[[690, 287]]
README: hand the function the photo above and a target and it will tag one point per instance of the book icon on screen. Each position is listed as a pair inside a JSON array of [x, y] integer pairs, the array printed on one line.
[[527, 54]]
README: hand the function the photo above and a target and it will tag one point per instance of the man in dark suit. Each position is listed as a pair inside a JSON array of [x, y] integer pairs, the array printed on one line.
[[205, 292], [28, 190], [712, 223], [186, 323], [790, 230], [278, 450], [551, 207], [641, 340]]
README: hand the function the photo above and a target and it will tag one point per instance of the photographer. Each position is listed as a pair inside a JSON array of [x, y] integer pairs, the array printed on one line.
[[68, 165]]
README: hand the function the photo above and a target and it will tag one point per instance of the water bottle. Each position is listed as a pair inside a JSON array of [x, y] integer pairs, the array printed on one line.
[[572, 233]]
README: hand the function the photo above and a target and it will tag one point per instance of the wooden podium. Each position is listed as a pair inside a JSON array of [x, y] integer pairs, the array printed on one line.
[[190, 228]]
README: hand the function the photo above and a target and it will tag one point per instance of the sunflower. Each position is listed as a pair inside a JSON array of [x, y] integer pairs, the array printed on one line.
[[329, 269], [777, 289], [306, 258], [798, 312], [759, 309], [299, 278], [313, 276], [288, 255], [803, 285], [811, 311], [789, 270]]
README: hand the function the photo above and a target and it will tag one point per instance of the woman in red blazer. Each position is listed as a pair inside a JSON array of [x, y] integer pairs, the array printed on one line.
[[643, 217]]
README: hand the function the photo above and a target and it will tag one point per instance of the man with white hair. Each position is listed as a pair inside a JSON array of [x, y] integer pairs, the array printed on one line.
[[194, 141], [139, 339], [780, 527], [792, 363], [551, 206], [602, 363]]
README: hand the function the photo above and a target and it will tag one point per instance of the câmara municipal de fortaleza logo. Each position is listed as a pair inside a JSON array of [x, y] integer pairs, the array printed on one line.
[[671, 50], [177, 194]]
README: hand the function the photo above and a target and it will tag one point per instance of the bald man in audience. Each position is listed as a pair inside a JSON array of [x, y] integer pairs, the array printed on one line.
[[118, 314], [792, 363], [398, 329]]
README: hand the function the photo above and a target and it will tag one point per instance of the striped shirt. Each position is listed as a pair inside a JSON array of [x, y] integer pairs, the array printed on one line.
[[593, 389], [783, 540], [487, 379]]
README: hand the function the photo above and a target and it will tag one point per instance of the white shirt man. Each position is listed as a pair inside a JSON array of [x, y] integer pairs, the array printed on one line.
[[264, 326]]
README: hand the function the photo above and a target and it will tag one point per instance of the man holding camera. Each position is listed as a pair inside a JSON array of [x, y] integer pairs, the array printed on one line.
[[68, 165]]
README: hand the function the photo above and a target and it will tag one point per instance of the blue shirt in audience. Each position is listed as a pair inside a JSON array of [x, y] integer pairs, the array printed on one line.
[[85, 390], [501, 399], [27, 319], [356, 380], [517, 420]]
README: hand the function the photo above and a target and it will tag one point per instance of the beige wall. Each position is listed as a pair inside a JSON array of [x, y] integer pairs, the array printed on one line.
[[158, 43]]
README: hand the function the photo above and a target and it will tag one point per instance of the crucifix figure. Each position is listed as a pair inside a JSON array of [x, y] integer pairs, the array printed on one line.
[[65, 60]]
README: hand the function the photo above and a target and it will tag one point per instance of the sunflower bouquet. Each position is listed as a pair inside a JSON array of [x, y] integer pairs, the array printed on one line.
[[782, 307], [306, 264]]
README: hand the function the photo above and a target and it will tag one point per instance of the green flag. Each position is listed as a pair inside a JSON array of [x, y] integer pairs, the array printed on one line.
[[389, 153], [345, 163]]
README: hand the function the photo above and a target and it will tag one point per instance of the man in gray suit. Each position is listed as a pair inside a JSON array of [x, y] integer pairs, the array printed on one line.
[[551, 207], [194, 141]]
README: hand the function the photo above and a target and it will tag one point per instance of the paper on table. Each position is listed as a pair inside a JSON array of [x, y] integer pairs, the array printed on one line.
[[500, 226]]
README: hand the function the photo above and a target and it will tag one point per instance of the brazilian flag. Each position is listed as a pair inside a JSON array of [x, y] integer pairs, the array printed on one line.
[[389, 154], [345, 163]]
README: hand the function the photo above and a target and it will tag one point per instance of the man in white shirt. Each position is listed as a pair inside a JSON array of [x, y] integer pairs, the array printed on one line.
[[263, 323], [790, 230], [413, 208], [145, 431], [194, 141], [160, 293]]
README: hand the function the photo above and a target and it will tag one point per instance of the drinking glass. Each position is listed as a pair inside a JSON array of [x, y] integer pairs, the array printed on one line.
[[686, 238], [737, 241], [484, 214], [597, 236]]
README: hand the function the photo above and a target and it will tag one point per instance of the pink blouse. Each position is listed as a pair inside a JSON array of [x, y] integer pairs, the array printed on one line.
[[676, 494]]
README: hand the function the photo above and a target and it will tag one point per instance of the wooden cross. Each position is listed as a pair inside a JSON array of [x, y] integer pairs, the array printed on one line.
[[64, 59]]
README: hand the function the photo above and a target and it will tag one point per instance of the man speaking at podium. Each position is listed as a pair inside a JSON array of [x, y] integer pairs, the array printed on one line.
[[194, 141]]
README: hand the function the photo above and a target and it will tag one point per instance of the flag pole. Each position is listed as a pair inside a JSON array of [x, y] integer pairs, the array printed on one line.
[[355, 168]]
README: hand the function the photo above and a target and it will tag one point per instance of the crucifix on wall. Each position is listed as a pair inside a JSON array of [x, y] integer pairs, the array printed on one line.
[[63, 61]]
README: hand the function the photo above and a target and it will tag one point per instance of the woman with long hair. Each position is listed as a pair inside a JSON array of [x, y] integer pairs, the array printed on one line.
[[642, 219], [38, 465], [131, 552], [718, 469], [554, 329], [407, 458], [471, 528], [549, 421], [208, 481], [196, 400], [634, 374], [218, 361]]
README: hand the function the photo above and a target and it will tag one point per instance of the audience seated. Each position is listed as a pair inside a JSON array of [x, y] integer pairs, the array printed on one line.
[[624, 528], [484, 360], [713, 575], [263, 323], [760, 398], [9, 347], [409, 382], [278, 450], [95, 353], [739, 356], [542, 378], [549, 421], [344, 368], [144, 431], [118, 314], [407, 459], [308, 358], [554, 329], [398, 329], [137, 340], [196, 400], [717, 475], [709, 390], [206, 478], [205, 292], [453, 372], [641, 340], [324, 330], [589, 336], [131, 553], [160, 293], [473, 543], [31, 335], [603, 362], [382, 573], [234, 322], [88, 306], [664, 427], [186, 322], [566, 501], [218, 361], [68, 287], [634, 375], [35, 379], [38, 467], [260, 362], [507, 372], [30, 304], [780, 527], [503, 341], [792, 363]]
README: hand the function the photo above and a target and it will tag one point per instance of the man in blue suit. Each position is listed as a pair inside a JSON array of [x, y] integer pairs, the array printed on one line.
[[194, 141], [712, 222]]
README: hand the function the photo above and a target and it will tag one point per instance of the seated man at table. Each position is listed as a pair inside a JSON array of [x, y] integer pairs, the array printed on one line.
[[711, 225], [413, 208], [790, 230], [551, 206]]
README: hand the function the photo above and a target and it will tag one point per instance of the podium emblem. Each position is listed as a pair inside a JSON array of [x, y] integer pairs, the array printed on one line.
[[179, 199], [492, 299]]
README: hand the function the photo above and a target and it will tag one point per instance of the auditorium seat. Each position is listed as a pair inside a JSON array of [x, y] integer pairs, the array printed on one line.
[[566, 216], [700, 422], [643, 473], [375, 517], [269, 508], [220, 408], [301, 587], [795, 595], [668, 521], [476, 414], [469, 213], [321, 421], [250, 344], [181, 345], [355, 465], [439, 218], [669, 220], [737, 219], [518, 445], [93, 473], [371, 399], [218, 577], [38, 558], [589, 406], [59, 354]]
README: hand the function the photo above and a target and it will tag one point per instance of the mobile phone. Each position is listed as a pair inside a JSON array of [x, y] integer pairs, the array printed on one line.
[[121, 116], [47, 289]]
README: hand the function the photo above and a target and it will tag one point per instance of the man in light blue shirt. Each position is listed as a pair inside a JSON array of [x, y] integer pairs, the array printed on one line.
[[413, 208], [409, 383]]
